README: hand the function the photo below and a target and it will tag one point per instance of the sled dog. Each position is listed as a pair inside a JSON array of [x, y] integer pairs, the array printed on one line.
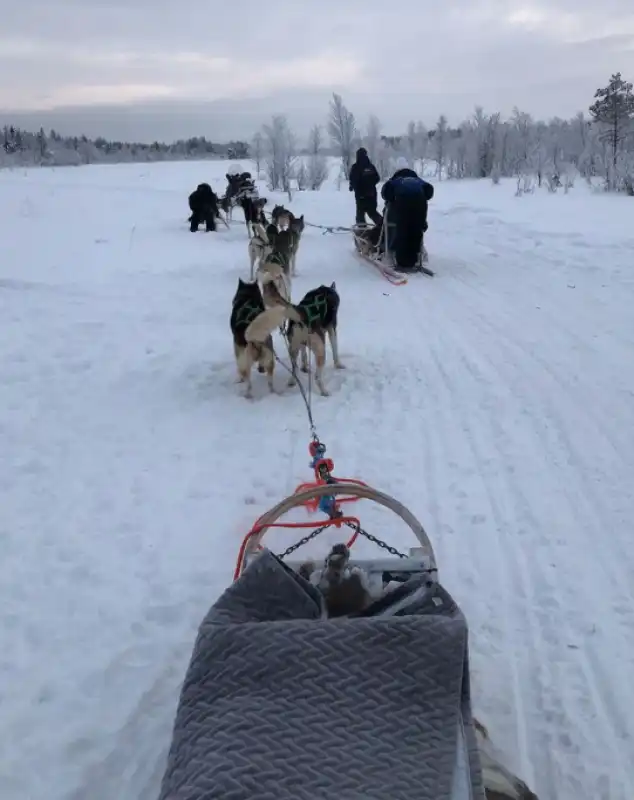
[[281, 217], [253, 208], [285, 233], [276, 263], [259, 247], [296, 228], [314, 317], [247, 307]]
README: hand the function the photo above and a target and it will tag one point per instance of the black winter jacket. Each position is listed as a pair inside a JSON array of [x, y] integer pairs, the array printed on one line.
[[363, 176]]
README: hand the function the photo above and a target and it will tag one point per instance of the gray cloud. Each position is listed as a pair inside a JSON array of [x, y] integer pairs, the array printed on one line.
[[148, 69]]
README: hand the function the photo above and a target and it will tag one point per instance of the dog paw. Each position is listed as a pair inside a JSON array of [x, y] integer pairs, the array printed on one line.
[[304, 367], [339, 365], [291, 382], [324, 393]]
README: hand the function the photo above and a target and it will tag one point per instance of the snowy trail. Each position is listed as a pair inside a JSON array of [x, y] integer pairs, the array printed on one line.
[[495, 400]]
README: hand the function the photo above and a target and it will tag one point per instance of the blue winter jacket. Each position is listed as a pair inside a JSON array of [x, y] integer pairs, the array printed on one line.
[[405, 182]]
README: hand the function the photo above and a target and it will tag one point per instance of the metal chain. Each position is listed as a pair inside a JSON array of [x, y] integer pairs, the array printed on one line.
[[370, 537], [302, 542]]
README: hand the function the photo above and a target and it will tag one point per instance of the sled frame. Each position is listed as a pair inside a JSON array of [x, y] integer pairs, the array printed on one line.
[[423, 255], [385, 261], [383, 571]]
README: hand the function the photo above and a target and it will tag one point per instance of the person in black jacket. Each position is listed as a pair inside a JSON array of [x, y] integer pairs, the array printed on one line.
[[406, 198], [363, 181], [203, 203]]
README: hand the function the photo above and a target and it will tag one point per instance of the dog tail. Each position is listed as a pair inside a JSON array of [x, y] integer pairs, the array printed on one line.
[[260, 232], [275, 297], [268, 321]]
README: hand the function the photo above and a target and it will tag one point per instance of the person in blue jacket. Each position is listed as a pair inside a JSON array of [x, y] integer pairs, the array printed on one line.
[[406, 198]]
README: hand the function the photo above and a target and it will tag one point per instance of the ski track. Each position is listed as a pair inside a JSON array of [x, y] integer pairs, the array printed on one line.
[[586, 674], [495, 400]]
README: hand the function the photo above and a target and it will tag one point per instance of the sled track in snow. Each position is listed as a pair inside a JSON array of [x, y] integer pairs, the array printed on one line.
[[560, 671], [517, 451], [586, 679]]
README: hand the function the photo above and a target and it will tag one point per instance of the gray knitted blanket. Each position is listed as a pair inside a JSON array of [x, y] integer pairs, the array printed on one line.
[[281, 703]]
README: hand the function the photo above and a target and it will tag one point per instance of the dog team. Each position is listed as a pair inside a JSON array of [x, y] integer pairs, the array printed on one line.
[[264, 303]]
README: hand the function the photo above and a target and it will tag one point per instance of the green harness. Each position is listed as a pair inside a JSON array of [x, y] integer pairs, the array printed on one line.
[[247, 313], [278, 258], [315, 310]]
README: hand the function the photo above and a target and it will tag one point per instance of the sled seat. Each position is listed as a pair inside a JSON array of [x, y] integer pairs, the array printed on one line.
[[281, 701]]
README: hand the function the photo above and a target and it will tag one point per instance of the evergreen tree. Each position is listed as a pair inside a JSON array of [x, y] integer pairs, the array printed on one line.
[[614, 110]]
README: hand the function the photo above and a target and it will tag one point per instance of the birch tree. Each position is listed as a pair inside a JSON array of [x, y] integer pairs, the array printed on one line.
[[342, 130], [280, 157], [317, 169]]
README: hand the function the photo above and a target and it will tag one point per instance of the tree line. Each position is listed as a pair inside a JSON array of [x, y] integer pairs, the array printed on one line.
[[24, 148], [598, 147]]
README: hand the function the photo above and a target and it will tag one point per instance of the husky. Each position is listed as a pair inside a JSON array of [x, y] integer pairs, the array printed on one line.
[[247, 307], [275, 265], [242, 191], [253, 208], [274, 283], [308, 323], [281, 217], [296, 228], [285, 240], [259, 247], [318, 310]]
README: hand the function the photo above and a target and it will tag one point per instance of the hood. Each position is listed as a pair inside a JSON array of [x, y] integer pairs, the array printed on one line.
[[362, 156]]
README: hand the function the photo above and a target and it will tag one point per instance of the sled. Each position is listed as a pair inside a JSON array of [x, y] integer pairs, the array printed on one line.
[[382, 259], [281, 700]]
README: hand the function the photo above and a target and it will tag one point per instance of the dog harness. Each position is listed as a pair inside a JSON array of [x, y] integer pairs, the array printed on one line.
[[315, 310], [247, 313], [278, 258]]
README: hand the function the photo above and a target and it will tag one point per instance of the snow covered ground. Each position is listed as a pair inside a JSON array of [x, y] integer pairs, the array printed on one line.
[[496, 400]]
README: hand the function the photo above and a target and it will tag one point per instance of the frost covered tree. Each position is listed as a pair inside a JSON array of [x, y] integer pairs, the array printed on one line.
[[317, 167], [459, 154], [372, 138], [441, 136], [484, 129], [342, 130], [523, 140], [421, 145], [613, 110], [257, 150], [378, 146], [412, 142], [280, 147]]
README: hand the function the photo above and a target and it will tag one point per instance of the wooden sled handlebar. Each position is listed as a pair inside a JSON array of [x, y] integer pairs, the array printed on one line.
[[360, 491]]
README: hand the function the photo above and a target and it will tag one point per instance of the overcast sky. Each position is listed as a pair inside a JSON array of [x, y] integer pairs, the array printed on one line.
[[147, 69]]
